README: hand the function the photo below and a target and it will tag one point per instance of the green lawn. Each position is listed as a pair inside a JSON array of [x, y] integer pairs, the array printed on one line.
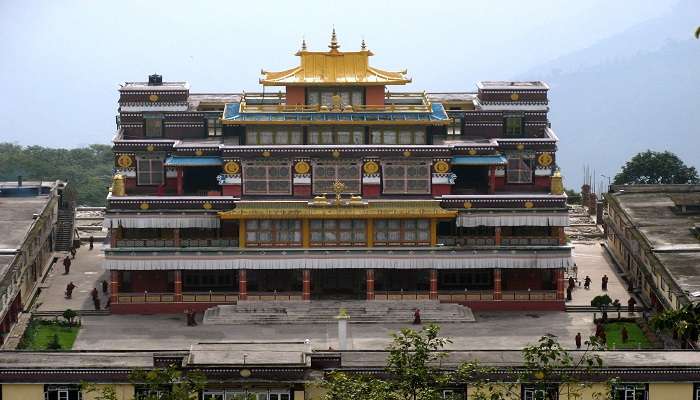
[[636, 336], [39, 334]]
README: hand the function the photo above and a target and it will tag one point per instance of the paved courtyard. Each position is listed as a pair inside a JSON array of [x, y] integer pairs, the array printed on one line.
[[592, 260]]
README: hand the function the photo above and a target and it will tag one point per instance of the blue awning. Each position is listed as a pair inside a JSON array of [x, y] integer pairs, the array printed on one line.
[[181, 161], [479, 160]]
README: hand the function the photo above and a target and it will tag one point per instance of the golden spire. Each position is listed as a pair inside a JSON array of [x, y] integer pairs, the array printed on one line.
[[303, 44], [364, 45], [334, 46]]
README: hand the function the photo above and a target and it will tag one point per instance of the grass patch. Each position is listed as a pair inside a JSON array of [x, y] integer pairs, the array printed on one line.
[[40, 333], [636, 338]]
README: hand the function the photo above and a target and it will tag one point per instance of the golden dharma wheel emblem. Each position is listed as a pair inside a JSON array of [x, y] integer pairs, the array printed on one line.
[[150, 147], [407, 153], [302, 167], [472, 152], [371, 167], [144, 206], [232, 167], [515, 97], [245, 373], [520, 146], [207, 206], [545, 159], [335, 154], [125, 161], [529, 204], [441, 167], [198, 153], [266, 153], [467, 204], [153, 97]]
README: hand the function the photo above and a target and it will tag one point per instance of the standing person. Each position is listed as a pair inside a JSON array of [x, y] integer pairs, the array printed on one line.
[[72, 252], [94, 294], [416, 317], [604, 282], [66, 265], [604, 338], [69, 290], [625, 334], [568, 293], [578, 340], [105, 286], [97, 303], [572, 283], [587, 283], [630, 305], [92, 241]]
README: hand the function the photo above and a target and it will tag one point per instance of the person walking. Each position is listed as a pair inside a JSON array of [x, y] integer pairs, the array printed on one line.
[[105, 286], [631, 303], [577, 339], [97, 302], [94, 294], [92, 241], [625, 335], [66, 265], [568, 293], [69, 290], [587, 282], [604, 282], [416, 317], [572, 283]]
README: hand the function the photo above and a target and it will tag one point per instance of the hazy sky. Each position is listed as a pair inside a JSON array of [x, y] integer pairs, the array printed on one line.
[[61, 61]]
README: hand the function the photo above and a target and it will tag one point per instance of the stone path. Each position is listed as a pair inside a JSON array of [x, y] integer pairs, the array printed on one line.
[[592, 260]]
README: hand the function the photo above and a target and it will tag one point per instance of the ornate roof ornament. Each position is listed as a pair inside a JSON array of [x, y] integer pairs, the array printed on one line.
[[303, 44], [334, 46], [363, 46]]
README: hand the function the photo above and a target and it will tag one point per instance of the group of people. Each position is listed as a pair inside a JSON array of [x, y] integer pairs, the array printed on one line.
[[96, 296], [603, 282]]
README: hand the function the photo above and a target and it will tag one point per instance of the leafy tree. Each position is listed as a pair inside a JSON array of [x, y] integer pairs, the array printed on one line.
[[100, 392], [651, 167], [69, 315], [169, 383], [683, 323], [602, 303], [54, 344], [413, 372]]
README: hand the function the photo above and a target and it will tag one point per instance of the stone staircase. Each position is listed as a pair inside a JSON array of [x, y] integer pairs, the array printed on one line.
[[64, 229], [325, 311]]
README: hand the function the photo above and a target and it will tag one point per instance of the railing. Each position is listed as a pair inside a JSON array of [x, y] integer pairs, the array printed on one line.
[[275, 296], [529, 241], [245, 107], [402, 295], [171, 243], [470, 295], [147, 297], [529, 295], [476, 241]]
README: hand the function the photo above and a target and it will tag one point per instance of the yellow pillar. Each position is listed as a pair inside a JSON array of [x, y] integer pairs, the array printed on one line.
[[305, 233], [241, 233], [433, 232], [370, 233]]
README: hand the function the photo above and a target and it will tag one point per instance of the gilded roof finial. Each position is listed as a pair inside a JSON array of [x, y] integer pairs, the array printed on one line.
[[303, 44], [364, 45], [334, 46]]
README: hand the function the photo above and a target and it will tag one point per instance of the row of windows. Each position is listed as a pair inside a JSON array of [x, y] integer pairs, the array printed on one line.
[[332, 232], [333, 135]]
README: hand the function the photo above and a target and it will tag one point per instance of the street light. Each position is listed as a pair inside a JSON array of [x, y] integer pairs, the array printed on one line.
[[608, 178]]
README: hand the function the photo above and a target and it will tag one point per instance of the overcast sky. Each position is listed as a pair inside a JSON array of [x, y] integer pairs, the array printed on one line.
[[61, 61]]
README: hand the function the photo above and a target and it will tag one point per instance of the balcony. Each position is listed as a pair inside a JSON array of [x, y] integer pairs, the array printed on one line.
[[172, 243], [277, 103]]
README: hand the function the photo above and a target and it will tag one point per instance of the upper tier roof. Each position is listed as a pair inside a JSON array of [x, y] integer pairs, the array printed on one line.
[[334, 67]]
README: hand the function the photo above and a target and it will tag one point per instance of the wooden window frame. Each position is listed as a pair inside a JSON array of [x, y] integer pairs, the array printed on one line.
[[276, 135], [160, 118], [354, 230], [267, 179], [382, 130], [406, 179], [318, 130], [275, 231], [514, 175], [151, 172], [514, 130], [336, 165], [402, 241]]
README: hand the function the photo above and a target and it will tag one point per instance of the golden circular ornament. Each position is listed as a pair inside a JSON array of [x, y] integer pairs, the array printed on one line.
[[266, 154], [520, 146], [467, 204], [545, 159], [529, 204], [245, 373], [335, 154], [302, 167], [144, 206], [198, 153], [125, 161], [472, 152], [150, 147], [207, 205], [441, 167], [370, 167], [515, 97], [232, 167], [153, 97], [407, 153]]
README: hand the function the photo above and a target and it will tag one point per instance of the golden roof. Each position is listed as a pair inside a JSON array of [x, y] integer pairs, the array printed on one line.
[[334, 67]]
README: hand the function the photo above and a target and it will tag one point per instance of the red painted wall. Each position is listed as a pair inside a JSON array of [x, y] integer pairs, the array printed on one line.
[[374, 95], [542, 182], [302, 191], [371, 190], [438, 190], [295, 95], [152, 281], [231, 190], [523, 279]]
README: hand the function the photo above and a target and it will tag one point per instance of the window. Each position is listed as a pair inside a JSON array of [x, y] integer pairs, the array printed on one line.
[[513, 126], [142, 393], [336, 135], [453, 394], [324, 96], [333, 232], [273, 232], [267, 179], [406, 178], [401, 232], [214, 126], [519, 169], [696, 390], [636, 391], [273, 135], [153, 124], [211, 395], [325, 174], [62, 392], [149, 170], [394, 135], [240, 394]]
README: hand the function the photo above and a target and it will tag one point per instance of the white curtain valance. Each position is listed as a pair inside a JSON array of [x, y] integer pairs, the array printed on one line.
[[512, 219], [162, 221], [461, 261]]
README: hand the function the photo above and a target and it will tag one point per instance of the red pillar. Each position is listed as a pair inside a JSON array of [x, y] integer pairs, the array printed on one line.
[[114, 290], [433, 294], [178, 285], [306, 284], [176, 236], [497, 293], [562, 236], [497, 238], [559, 276], [370, 284], [242, 285], [180, 185], [492, 179]]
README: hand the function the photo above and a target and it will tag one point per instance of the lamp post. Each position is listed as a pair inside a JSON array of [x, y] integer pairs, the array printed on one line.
[[608, 178]]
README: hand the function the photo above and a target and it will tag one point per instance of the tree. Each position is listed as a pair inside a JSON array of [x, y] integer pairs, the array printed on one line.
[[602, 303], [69, 315], [683, 323], [651, 167], [169, 383], [413, 372]]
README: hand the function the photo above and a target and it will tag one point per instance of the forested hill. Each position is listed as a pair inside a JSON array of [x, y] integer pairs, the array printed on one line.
[[88, 169]]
